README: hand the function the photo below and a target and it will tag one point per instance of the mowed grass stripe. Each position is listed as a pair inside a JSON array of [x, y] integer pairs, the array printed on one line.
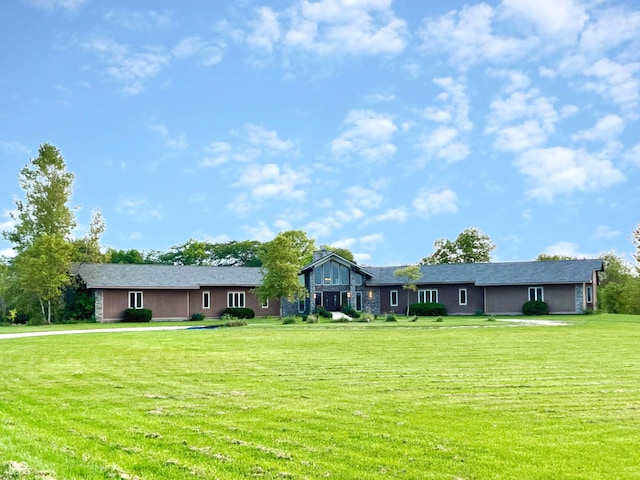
[[347, 401]]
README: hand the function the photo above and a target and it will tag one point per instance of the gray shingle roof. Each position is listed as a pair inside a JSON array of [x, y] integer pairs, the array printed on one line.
[[111, 275], [487, 274]]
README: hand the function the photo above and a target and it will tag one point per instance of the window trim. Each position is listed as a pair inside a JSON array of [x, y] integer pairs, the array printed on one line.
[[427, 294], [236, 297], [264, 304], [461, 292], [358, 301], [589, 294], [535, 297], [206, 300], [135, 305], [393, 302]]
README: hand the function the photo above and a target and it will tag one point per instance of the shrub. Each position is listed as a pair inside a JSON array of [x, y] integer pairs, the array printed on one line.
[[535, 307], [427, 309], [491, 319], [236, 312], [197, 317], [235, 323], [366, 317], [288, 320], [311, 318], [413, 319], [390, 318], [137, 315], [322, 312], [439, 319]]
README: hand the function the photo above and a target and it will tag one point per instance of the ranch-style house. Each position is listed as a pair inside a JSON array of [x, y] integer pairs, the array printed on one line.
[[175, 292]]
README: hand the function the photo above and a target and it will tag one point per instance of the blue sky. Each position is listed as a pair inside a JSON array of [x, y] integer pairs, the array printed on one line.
[[375, 125]]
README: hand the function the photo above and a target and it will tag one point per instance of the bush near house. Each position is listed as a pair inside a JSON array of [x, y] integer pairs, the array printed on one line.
[[535, 307], [196, 317], [237, 312], [348, 310], [322, 312], [430, 309], [137, 315]]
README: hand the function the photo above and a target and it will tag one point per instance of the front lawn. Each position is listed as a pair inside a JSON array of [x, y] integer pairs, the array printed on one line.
[[464, 398]]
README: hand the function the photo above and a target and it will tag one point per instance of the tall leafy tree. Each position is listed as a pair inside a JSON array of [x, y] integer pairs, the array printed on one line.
[[471, 246], [131, 256], [545, 257], [43, 224], [343, 252], [88, 249], [411, 274], [619, 287], [281, 260]]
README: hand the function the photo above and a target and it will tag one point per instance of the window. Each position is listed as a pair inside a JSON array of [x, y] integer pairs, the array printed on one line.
[[358, 278], [345, 299], [206, 300], [359, 301], [428, 296], [344, 275], [302, 304], [536, 293], [589, 294], [462, 296], [235, 300], [265, 303], [393, 298], [135, 300], [318, 299], [317, 274]]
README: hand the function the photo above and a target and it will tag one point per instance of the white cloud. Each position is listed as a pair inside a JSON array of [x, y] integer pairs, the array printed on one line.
[[139, 21], [268, 140], [53, 4], [567, 249], [368, 134], [174, 142], [139, 208], [381, 97], [560, 20], [616, 82], [344, 243], [610, 29], [265, 30], [604, 232], [392, 215], [633, 155], [210, 53], [7, 253], [523, 120], [132, 69], [467, 38], [562, 171], [362, 197], [344, 27], [14, 147], [216, 154], [431, 202], [260, 232], [441, 144], [372, 240], [273, 181], [606, 129]]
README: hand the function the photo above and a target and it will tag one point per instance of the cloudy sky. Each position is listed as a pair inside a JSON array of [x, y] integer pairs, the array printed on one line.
[[375, 125]]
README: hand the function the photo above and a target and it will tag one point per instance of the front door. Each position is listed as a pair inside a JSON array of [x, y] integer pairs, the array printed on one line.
[[332, 301]]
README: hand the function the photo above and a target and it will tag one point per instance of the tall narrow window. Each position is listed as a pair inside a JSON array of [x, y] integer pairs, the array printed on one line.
[[135, 300], [359, 301], [393, 298], [265, 303], [589, 294], [235, 299], [345, 298], [536, 293], [462, 296], [428, 296], [206, 300]]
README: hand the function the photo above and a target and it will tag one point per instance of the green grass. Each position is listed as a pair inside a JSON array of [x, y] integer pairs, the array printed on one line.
[[403, 400]]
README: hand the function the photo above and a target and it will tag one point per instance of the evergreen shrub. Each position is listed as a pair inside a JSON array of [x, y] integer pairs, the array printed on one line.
[[237, 312], [137, 315], [535, 307], [430, 309]]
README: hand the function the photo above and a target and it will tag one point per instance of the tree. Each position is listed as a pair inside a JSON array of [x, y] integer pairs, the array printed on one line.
[[231, 254], [411, 274], [636, 243], [619, 290], [44, 221], [304, 245], [281, 260], [545, 257], [131, 256], [471, 246], [343, 252], [87, 249]]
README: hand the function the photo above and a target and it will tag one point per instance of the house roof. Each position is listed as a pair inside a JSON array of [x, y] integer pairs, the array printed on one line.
[[113, 275], [324, 256], [488, 274]]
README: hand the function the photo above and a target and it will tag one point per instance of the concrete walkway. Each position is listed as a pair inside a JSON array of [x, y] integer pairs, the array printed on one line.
[[94, 330]]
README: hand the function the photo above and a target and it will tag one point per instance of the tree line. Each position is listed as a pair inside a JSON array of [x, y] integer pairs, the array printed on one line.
[[38, 282]]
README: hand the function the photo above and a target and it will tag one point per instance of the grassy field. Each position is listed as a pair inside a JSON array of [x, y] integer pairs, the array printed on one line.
[[404, 400]]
